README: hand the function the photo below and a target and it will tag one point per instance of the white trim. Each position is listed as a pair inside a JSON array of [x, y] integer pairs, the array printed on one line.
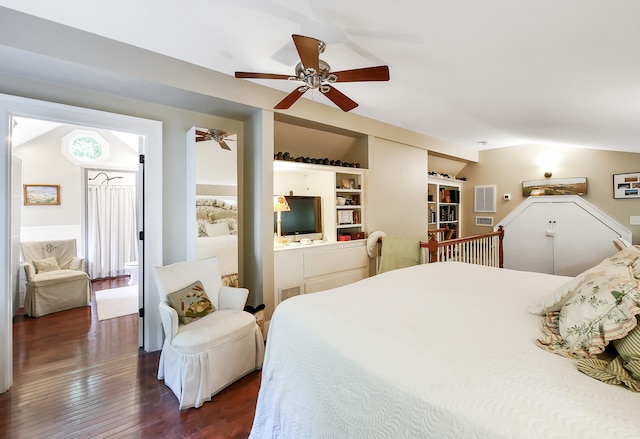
[[191, 224], [581, 202], [151, 131]]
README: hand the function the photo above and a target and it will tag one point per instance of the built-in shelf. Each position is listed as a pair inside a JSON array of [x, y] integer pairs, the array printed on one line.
[[341, 190], [444, 206]]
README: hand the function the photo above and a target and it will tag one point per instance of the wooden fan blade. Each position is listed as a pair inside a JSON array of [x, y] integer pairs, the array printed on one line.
[[379, 73], [224, 145], [340, 99], [201, 133], [309, 51], [200, 139], [261, 75], [290, 99]]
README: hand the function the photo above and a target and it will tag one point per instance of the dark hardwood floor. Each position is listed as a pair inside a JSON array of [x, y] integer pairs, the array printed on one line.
[[77, 377]]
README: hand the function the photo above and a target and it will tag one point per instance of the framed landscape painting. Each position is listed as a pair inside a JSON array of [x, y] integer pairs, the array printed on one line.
[[555, 186], [41, 194], [626, 185]]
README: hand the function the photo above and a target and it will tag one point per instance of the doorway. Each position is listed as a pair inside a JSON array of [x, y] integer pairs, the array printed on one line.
[[150, 133], [100, 214]]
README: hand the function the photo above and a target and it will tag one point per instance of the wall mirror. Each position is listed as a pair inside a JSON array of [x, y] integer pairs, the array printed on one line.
[[215, 218]]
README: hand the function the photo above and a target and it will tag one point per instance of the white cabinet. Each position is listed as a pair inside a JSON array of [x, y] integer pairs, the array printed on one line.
[[562, 235], [317, 267], [444, 205]]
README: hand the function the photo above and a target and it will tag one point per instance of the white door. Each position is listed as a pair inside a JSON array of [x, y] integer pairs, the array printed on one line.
[[563, 237], [17, 272], [528, 240], [581, 240], [140, 231]]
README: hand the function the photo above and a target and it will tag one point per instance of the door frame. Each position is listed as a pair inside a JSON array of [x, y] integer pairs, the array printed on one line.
[[151, 132], [139, 174]]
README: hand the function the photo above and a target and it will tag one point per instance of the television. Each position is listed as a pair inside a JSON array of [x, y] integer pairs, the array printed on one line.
[[304, 220]]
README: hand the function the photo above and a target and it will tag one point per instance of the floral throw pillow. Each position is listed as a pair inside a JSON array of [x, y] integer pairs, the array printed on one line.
[[191, 303], [202, 228], [602, 310], [231, 222]]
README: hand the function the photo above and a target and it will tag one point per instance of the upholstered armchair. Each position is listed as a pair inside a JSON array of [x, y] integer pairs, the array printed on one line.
[[210, 341], [56, 280]]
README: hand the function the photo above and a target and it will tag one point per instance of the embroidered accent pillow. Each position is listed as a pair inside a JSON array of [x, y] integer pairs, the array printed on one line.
[[44, 265], [191, 303]]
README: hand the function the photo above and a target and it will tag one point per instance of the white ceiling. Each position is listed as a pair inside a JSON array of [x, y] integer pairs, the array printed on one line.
[[499, 71], [26, 129]]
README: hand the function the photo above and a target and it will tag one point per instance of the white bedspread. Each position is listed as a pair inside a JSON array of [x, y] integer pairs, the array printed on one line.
[[225, 247], [434, 351]]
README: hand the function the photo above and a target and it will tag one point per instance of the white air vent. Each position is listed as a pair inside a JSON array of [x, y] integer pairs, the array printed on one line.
[[287, 293], [485, 198], [484, 221]]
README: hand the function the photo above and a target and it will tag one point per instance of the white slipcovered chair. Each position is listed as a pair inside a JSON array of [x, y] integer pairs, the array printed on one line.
[[203, 357], [56, 280]]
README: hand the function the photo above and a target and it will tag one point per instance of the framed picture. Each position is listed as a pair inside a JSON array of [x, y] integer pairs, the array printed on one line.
[[555, 186], [626, 185], [41, 194], [345, 217]]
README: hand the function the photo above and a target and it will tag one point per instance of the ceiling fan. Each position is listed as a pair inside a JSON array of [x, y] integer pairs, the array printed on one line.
[[219, 136], [316, 74]]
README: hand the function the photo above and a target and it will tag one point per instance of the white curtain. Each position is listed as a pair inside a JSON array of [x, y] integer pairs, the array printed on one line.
[[111, 230]]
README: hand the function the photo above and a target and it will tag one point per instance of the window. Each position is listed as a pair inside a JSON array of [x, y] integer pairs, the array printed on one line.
[[83, 146]]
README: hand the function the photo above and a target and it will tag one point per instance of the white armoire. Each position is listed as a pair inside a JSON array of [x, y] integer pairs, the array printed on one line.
[[558, 234]]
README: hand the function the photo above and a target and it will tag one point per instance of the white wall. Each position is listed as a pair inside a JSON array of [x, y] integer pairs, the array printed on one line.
[[42, 163], [396, 192]]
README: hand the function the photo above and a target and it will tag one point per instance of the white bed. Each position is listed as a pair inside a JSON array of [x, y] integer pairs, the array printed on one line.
[[217, 225], [432, 351], [225, 247]]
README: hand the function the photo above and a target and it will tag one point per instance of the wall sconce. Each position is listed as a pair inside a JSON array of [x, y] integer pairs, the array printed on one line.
[[548, 163]]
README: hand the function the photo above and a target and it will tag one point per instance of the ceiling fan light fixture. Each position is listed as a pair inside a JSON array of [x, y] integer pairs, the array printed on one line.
[[216, 135], [316, 73]]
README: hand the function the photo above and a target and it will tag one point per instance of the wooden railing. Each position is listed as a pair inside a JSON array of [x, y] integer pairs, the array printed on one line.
[[478, 249]]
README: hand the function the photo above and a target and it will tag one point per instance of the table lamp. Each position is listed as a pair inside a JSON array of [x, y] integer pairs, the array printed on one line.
[[280, 205]]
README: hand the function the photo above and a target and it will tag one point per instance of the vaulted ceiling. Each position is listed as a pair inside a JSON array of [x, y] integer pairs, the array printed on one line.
[[482, 74]]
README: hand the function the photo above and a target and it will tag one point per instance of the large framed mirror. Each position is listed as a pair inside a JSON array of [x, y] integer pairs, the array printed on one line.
[[213, 223]]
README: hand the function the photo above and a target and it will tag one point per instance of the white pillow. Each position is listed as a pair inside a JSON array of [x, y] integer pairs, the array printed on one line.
[[44, 265], [217, 229]]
